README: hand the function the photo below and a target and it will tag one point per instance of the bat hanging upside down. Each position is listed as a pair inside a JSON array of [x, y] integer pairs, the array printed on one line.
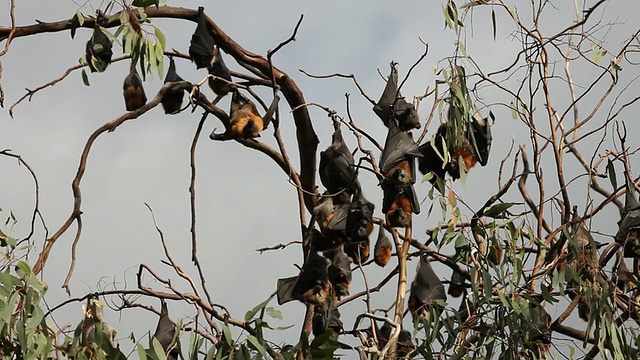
[[134, 96], [244, 122]]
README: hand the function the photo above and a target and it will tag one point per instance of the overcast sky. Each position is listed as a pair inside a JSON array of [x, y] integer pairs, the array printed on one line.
[[244, 200]]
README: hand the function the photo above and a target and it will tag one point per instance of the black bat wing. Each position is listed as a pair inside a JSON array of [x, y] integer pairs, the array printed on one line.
[[433, 154], [456, 286], [219, 69], [99, 47], [165, 330], [285, 289], [268, 116], [630, 217], [383, 107], [411, 194], [314, 273], [134, 95], [398, 146], [202, 44], [340, 268], [426, 286], [172, 99], [339, 220], [172, 75], [360, 217], [336, 166], [481, 138]]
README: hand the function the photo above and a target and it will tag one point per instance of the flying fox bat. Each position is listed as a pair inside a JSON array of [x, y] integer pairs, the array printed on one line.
[[359, 223], [624, 277], [539, 335], [245, 123], [94, 331], [134, 96], [337, 171], [398, 203], [172, 99], [433, 155], [426, 291], [456, 286], [332, 220], [339, 272], [326, 317], [219, 69], [392, 106], [383, 249], [405, 344], [479, 136], [628, 233], [98, 50], [473, 147], [165, 333], [311, 286], [202, 44], [358, 251], [397, 162]]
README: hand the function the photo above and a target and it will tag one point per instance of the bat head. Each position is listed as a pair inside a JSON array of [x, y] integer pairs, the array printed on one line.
[[313, 286], [339, 272], [584, 312], [480, 137], [405, 344], [358, 251], [406, 115], [456, 286], [359, 223], [399, 176], [433, 155], [398, 217]]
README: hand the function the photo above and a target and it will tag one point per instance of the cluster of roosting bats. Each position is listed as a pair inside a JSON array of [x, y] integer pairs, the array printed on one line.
[[344, 216], [245, 121]]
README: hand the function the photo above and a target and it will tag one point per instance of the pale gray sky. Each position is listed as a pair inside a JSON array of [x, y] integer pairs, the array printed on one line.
[[147, 159]]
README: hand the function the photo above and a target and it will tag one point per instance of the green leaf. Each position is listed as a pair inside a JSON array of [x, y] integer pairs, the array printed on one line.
[[611, 171], [256, 343], [210, 353], [124, 17], [226, 332], [24, 267], [142, 354], [162, 40], [157, 349], [497, 209], [85, 78], [251, 313], [514, 110], [80, 17], [274, 313]]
